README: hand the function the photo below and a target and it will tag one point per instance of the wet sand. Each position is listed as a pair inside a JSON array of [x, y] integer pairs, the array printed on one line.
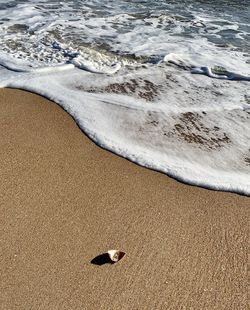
[[64, 201]]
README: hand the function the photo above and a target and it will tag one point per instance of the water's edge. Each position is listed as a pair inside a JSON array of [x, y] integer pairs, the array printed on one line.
[[131, 158]]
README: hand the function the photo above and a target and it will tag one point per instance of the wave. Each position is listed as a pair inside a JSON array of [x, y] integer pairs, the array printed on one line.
[[166, 87], [162, 117]]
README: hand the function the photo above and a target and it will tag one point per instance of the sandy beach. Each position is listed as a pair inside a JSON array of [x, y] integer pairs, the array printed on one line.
[[64, 201]]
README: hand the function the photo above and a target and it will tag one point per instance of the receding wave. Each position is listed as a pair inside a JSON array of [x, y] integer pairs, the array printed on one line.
[[164, 87]]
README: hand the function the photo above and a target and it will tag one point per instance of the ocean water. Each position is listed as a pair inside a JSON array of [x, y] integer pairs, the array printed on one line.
[[165, 84]]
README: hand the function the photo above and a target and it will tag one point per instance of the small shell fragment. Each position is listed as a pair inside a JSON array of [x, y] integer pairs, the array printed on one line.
[[115, 255]]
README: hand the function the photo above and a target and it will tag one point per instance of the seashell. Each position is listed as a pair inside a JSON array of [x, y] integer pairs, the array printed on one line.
[[115, 255]]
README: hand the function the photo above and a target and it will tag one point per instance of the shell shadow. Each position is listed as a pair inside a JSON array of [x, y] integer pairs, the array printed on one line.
[[104, 258], [101, 259]]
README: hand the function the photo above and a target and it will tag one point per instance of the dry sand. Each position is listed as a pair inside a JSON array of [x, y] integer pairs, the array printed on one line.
[[64, 201]]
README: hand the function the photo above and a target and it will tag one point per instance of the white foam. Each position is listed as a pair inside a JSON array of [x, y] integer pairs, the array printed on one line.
[[96, 67], [221, 73]]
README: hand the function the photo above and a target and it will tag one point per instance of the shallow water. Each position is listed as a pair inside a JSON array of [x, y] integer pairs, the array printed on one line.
[[165, 84]]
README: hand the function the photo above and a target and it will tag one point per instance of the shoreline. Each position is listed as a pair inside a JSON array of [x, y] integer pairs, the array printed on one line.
[[65, 200]]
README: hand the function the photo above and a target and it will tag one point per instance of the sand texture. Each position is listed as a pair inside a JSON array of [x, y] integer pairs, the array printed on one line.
[[63, 201]]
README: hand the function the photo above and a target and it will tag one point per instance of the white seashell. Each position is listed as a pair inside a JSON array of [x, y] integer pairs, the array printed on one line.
[[115, 255]]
